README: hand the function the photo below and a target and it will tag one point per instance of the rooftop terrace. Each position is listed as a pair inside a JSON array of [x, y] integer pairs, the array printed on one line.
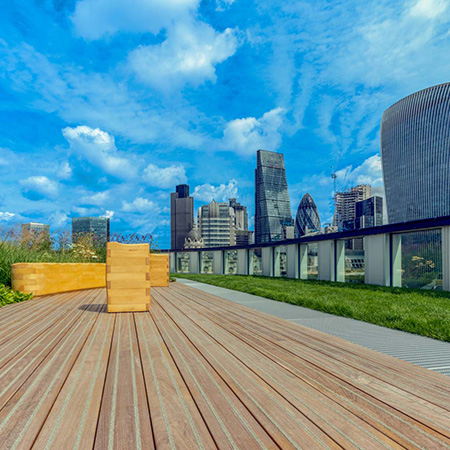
[[198, 371]]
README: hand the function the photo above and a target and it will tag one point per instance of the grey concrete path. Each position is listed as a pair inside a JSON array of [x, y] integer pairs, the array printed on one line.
[[425, 352]]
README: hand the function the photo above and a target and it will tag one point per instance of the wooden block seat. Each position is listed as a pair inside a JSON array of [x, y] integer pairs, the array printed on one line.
[[159, 269], [127, 277]]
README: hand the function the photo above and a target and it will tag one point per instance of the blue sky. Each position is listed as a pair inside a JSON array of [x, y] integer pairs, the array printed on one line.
[[104, 108]]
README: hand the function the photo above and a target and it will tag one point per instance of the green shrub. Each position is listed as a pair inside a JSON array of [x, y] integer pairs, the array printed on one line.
[[7, 296]]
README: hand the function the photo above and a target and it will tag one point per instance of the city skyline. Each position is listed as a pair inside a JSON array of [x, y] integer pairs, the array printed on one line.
[[89, 128]]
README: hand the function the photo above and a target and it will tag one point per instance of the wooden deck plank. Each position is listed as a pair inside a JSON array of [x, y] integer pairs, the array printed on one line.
[[72, 421], [198, 371], [432, 385], [229, 421], [23, 415], [124, 420], [425, 413], [346, 352], [386, 419], [176, 421], [21, 366]]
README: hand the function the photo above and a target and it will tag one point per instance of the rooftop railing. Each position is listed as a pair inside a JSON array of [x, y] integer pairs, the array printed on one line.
[[412, 254]]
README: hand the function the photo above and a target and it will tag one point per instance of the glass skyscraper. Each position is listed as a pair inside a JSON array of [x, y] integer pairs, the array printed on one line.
[[98, 227], [307, 218], [272, 204], [415, 154]]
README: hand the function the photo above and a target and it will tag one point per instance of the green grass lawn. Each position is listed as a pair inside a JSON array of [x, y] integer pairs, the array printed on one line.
[[417, 311]]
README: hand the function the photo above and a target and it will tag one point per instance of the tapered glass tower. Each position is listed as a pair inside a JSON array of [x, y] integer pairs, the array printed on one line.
[[272, 204], [415, 154], [307, 219]]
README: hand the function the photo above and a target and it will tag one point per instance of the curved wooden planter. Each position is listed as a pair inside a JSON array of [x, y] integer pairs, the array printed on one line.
[[51, 278]]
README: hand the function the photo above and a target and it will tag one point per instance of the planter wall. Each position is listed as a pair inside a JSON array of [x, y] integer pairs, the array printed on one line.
[[50, 278]]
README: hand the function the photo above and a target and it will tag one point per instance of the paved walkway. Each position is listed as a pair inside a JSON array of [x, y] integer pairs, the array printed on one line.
[[425, 352]]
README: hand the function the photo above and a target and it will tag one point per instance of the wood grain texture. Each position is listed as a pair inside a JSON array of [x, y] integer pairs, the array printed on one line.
[[127, 291], [51, 278], [159, 269], [200, 372]]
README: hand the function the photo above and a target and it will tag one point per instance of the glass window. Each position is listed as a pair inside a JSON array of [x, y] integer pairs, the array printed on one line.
[[230, 262], [354, 260], [312, 272], [279, 261], [255, 261], [206, 262], [183, 262], [419, 260]]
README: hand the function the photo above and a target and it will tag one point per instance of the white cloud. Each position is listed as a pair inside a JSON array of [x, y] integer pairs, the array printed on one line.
[[207, 192], [164, 177], [109, 214], [188, 55], [39, 187], [369, 172], [58, 219], [95, 19], [429, 8], [141, 206], [247, 135], [6, 216], [95, 199], [65, 171], [98, 147]]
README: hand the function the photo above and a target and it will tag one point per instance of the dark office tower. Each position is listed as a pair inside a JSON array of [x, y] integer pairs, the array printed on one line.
[[307, 219], [415, 154], [181, 216], [98, 227], [272, 204], [369, 213]]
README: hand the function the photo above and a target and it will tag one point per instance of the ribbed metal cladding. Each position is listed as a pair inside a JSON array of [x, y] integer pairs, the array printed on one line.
[[415, 153]]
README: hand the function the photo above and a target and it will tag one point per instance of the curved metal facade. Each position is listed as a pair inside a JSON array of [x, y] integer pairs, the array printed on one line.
[[415, 154], [307, 217]]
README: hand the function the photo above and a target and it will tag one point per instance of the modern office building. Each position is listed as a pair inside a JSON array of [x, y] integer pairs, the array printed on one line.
[[415, 155], [369, 213], [35, 228], [345, 205], [181, 216], [272, 204], [216, 224], [243, 235], [98, 227], [36, 233], [307, 219]]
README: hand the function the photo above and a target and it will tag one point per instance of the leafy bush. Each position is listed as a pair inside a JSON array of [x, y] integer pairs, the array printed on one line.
[[7, 296]]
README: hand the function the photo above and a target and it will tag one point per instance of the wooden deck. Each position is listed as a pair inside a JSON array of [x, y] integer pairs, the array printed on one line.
[[201, 372]]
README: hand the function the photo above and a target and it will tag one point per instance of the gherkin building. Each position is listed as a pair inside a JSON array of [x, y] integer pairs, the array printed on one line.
[[307, 219]]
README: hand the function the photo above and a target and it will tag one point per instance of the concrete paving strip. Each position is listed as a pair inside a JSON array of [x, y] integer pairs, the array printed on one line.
[[422, 351]]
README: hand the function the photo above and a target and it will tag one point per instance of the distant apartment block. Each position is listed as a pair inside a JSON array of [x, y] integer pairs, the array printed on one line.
[[216, 224], [345, 205], [98, 227], [181, 216], [272, 204], [369, 212]]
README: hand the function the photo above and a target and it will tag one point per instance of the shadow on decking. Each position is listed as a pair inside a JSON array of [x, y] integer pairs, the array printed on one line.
[[95, 307]]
